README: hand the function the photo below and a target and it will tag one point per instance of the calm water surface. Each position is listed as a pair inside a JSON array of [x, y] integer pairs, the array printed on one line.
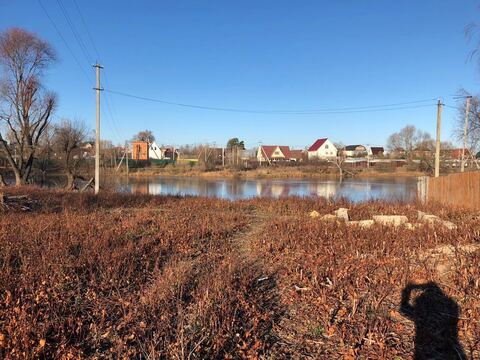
[[357, 189]]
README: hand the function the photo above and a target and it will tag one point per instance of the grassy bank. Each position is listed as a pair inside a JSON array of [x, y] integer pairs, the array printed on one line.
[[270, 172], [136, 276]]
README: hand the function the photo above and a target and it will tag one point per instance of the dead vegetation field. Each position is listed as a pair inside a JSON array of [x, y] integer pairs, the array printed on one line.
[[134, 276]]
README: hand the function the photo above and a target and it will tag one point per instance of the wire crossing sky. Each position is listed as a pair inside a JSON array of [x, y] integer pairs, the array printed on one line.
[[274, 72]]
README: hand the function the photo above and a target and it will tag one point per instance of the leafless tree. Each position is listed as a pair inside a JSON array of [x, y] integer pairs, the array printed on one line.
[[25, 106], [473, 126], [44, 154], [69, 135], [145, 135], [408, 139]]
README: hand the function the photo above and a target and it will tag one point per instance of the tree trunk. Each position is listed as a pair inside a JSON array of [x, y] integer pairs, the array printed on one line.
[[70, 181], [2, 181], [18, 178]]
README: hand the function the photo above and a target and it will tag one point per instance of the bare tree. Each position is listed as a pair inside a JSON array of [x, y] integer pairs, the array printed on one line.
[[25, 107], [473, 125], [408, 139], [145, 135], [44, 154], [69, 136]]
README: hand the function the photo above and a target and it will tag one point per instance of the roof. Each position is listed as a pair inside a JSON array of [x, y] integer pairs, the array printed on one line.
[[296, 154], [317, 144], [457, 153], [376, 150], [353, 147], [269, 149]]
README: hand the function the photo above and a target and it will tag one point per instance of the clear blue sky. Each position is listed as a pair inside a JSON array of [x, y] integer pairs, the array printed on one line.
[[259, 55]]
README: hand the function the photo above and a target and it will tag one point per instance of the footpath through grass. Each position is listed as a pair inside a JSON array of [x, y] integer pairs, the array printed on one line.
[[134, 276]]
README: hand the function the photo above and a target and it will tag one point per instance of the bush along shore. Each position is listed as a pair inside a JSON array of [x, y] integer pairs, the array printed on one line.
[[136, 276]]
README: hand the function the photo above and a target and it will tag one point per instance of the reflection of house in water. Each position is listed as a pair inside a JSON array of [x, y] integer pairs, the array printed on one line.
[[154, 188], [211, 188], [276, 189], [235, 189], [324, 189], [139, 188], [280, 189]]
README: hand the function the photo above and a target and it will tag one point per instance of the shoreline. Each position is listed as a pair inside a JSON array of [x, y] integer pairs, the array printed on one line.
[[267, 174]]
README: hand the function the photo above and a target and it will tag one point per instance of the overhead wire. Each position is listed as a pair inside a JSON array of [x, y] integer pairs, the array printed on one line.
[[84, 49], [108, 101], [65, 41], [89, 34], [78, 38], [342, 110]]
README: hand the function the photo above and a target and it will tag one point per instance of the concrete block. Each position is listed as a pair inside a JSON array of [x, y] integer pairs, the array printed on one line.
[[390, 220]]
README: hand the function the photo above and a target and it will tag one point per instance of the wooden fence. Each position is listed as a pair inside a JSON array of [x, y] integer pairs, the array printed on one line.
[[459, 190]]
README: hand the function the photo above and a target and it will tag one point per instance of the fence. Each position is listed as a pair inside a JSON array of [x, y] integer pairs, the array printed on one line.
[[460, 190]]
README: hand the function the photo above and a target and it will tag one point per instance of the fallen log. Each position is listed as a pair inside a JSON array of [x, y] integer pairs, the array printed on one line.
[[16, 202]]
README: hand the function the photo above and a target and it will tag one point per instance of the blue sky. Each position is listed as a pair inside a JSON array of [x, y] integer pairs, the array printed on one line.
[[274, 55]]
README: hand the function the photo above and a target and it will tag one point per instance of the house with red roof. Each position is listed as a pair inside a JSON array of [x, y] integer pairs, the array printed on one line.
[[457, 153], [273, 153], [322, 149]]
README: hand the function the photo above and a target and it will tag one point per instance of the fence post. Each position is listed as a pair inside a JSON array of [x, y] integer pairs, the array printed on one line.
[[422, 189]]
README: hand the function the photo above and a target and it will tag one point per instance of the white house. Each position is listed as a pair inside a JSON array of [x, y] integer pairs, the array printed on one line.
[[322, 149], [270, 153], [161, 153], [154, 151]]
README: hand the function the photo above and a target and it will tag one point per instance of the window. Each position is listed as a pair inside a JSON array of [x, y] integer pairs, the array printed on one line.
[[326, 147]]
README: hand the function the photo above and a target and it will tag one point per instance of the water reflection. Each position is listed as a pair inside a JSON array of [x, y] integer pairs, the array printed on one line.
[[403, 189]]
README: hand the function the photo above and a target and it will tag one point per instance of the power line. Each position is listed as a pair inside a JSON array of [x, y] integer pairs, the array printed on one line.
[[452, 107], [371, 108], [89, 34], [78, 38], [111, 122], [108, 101], [64, 41]]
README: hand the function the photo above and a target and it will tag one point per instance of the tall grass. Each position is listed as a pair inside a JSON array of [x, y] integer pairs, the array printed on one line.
[[135, 276]]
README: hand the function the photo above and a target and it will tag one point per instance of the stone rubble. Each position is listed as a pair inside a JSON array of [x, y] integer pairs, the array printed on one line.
[[341, 214]]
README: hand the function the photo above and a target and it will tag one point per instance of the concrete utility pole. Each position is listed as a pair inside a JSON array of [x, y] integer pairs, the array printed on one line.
[[437, 145], [467, 113], [97, 130]]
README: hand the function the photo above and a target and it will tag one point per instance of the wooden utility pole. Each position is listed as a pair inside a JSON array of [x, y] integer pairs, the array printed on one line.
[[97, 130], [437, 145], [467, 112]]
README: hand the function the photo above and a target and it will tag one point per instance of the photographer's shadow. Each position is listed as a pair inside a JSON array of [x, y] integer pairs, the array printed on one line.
[[436, 318]]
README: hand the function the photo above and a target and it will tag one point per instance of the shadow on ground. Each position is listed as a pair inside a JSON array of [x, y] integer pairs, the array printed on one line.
[[436, 317]]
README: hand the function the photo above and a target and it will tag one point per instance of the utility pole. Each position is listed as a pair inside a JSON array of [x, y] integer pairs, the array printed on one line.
[[437, 145], [97, 129], [126, 156], [467, 113]]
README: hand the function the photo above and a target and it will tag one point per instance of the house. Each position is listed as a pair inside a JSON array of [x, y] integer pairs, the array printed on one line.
[[140, 150], [397, 153], [375, 151], [296, 155], [322, 149], [457, 153], [273, 153], [354, 151], [170, 153], [154, 151]]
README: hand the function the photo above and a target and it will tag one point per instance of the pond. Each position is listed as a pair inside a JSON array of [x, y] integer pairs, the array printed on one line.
[[354, 189]]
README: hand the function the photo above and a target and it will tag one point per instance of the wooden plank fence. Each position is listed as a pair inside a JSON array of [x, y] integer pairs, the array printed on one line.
[[458, 190]]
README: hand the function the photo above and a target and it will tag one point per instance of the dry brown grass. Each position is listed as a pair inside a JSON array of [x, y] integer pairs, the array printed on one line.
[[133, 276]]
